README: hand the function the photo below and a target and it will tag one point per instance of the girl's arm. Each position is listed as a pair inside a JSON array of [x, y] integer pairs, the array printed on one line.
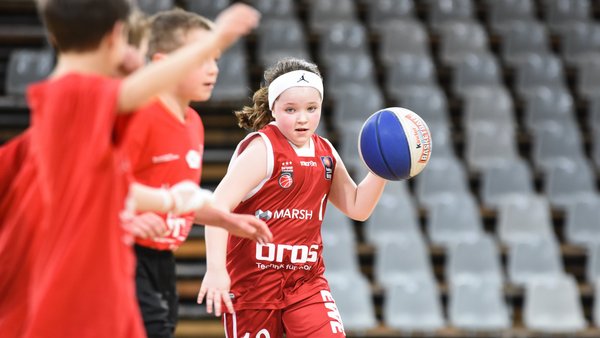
[[357, 202], [245, 173], [144, 84]]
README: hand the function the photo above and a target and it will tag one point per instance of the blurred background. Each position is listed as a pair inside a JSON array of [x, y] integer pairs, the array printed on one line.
[[500, 234]]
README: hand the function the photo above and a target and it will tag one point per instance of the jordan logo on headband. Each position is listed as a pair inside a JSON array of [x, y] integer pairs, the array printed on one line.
[[302, 79]]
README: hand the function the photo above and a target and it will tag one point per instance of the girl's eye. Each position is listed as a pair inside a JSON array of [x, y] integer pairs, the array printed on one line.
[[289, 110], [312, 109]]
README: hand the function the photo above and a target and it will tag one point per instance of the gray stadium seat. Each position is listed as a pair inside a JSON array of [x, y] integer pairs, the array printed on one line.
[[413, 306], [596, 309], [270, 9], [534, 261], [379, 12], [400, 37], [588, 77], [402, 259], [488, 105], [459, 39], [475, 71], [384, 223], [408, 71], [343, 37], [539, 70], [444, 11], [581, 222], [206, 8], [279, 38], [554, 142], [592, 268], [26, 66], [154, 6], [474, 260], [454, 221], [579, 41], [233, 83], [561, 13], [340, 257], [322, 14], [546, 104], [570, 181], [521, 38], [506, 181], [349, 69], [337, 226], [490, 144], [524, 219], [502, 13], [477, 306], [553, 306]]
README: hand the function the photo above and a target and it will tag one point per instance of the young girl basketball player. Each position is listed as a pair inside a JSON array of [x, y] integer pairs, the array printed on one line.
[[284, 174]]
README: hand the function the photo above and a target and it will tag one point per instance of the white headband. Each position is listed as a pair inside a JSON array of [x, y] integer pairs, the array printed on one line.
[[297, 78]]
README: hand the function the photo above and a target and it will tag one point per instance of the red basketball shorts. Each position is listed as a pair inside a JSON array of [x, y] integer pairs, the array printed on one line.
[[316, 316]]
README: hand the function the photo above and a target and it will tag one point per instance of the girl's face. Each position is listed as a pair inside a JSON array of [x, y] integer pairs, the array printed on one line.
[[297, 112]]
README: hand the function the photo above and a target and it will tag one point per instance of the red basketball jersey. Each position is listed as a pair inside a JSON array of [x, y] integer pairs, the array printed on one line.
[[163, 151], [84, 266], [292, 200], [21, 210]]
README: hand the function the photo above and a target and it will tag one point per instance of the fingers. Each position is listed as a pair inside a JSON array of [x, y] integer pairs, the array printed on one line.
[[227, 301], [148, 225], [201, 295], [263, 231]]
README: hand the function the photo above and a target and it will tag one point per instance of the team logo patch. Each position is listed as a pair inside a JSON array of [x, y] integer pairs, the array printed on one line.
[[286, 178], [328, 165]]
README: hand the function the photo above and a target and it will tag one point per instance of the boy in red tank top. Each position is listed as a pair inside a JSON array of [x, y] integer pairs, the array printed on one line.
[[284, 174], [165, 142]]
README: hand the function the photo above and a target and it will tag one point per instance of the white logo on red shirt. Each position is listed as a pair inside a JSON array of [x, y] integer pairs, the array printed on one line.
[[165, 158], [193, 159]]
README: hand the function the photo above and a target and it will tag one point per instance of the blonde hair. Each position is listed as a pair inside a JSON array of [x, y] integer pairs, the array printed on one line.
[[168, 29], [259, 115], [138, 25]]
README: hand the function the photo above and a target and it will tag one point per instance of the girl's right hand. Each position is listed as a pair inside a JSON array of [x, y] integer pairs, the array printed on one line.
[[215, 286]]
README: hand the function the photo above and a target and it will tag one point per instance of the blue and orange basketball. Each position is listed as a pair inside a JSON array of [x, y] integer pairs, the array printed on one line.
[[395, 143]]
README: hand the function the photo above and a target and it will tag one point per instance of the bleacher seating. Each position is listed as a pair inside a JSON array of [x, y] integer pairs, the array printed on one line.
[[510, 90]]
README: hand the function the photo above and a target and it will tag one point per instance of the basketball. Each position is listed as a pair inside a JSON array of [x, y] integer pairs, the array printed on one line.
[[395, 143]]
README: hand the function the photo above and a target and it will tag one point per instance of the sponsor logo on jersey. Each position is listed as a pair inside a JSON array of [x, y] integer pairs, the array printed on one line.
[[264, 215], [328, 165], [286, 178], [165, 158], [308, 163], [193, 159], [277, 253], [300, 214]]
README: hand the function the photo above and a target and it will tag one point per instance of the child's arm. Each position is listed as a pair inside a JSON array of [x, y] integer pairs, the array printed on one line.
[[357, 202], [183, 197], [143, 85], [247, 226], [245, 173]]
